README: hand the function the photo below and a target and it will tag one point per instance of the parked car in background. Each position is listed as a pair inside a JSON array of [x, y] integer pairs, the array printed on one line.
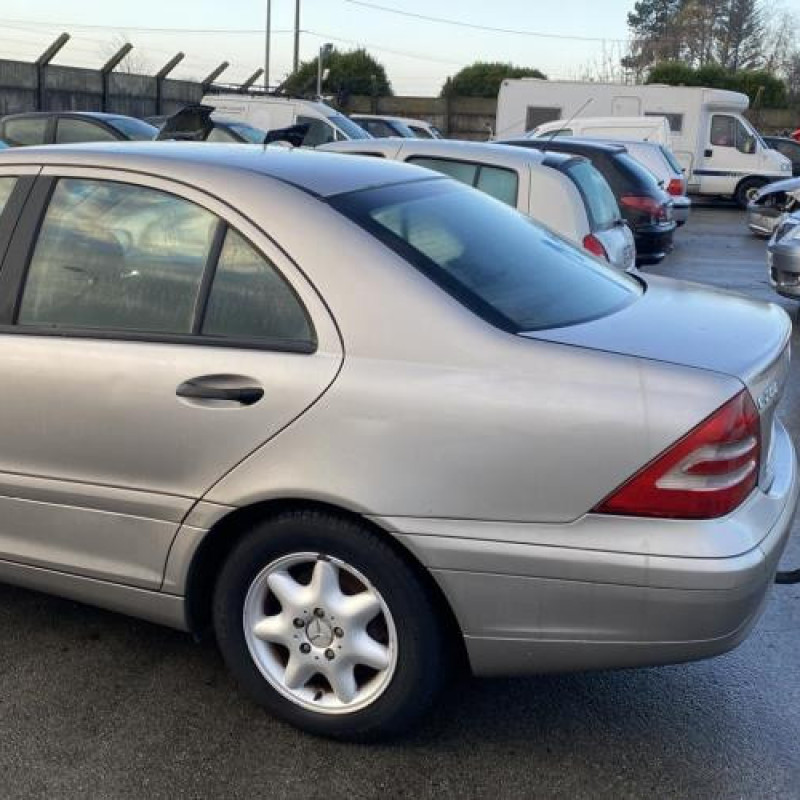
[[787, 147], [783, 257], [199, 123], [563, 192], [645, 206], [71, 127], [668, 172], [643, 129], [362, 420], [3, 145], [325, 124], [770, 204], [381, 126]]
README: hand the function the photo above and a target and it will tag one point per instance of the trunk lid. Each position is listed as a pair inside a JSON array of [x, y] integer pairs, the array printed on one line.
[[700, 327]]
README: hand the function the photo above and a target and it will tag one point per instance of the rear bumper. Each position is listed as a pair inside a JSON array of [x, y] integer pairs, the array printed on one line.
[[783, 267], [653, 242], [529, 608], [681, 208]]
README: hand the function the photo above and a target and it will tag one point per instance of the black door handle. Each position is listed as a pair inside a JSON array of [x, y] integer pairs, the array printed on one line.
[[708, 153], [244, 395]]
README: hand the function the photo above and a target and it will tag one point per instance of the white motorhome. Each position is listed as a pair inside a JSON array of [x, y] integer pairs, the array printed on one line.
[[271, 112], [640, 129], [719, 149]]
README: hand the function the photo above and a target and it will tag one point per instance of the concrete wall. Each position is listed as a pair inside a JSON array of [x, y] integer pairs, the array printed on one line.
[[75, 89]]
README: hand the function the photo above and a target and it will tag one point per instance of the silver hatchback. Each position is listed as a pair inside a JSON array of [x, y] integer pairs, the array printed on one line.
[[361, 421]]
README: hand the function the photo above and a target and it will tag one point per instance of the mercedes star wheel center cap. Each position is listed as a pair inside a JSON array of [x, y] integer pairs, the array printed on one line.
[[319, 633]]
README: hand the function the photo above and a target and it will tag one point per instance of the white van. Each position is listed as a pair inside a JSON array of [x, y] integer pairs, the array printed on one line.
[[268, 113], [641, 129], [719, 149]]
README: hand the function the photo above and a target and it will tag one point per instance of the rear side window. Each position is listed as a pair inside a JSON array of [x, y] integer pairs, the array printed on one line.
[[502, 184], [499, 183], [72, 131], [6, 187], [492, 259], [250, 300], [25, 131], [117, 257], [600, 202], [461, 171]]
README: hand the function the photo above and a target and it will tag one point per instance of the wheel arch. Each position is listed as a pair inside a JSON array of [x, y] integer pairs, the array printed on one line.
[[754, 179], [209, 558]]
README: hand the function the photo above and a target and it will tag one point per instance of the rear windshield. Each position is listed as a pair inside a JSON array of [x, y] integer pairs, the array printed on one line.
[[348, 127], [673, 162], [601, 204], [641, 174], [495, 261]]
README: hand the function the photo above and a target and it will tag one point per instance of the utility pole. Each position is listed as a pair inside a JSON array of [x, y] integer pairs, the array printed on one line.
[[267, 44], [296, 35]]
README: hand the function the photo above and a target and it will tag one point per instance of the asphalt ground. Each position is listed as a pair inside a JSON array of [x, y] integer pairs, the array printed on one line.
[[95, 705]]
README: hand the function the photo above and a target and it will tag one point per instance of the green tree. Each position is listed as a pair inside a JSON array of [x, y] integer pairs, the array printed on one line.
[[742, 35], [352, 72], [483, 79], [654, 33]]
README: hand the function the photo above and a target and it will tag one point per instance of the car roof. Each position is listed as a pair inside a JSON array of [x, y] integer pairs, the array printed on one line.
[[571, 144], [486, 152], [93, 114], [406, 120], [200, 164]]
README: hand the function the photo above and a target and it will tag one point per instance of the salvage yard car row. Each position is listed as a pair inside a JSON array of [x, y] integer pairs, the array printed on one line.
[[606, 196]]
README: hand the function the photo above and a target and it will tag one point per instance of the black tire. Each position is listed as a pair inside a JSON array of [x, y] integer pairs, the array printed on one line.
[[421, 637], [744, 190]]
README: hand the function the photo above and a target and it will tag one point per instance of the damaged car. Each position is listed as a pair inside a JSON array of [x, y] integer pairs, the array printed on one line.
[[770, 204]]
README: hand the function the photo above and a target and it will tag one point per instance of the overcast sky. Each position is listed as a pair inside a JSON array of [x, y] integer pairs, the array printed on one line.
[[418, 54]]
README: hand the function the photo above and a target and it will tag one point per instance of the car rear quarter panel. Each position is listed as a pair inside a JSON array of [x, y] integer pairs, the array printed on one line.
[[438, 414]]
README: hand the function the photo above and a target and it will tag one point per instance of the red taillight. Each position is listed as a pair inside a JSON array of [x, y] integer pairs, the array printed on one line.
[[645, 205], [706, 474], [675, 187], [595, 246]]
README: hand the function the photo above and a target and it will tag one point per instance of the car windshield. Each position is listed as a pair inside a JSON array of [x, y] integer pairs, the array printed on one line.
[[136, 130], [248, 132], [597, 195], [495, 261], [349, 128]]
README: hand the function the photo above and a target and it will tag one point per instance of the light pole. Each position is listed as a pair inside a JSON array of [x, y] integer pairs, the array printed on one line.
[[267, 44], [296, 35], [324, 52]]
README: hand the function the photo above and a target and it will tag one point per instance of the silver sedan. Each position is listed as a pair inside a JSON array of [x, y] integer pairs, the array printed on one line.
[[364, 421]]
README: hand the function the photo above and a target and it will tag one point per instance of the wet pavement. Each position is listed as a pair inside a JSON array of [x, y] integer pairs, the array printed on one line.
[[97, 705]]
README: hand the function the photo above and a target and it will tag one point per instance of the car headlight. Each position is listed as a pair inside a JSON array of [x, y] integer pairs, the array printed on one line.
[[786, 166]]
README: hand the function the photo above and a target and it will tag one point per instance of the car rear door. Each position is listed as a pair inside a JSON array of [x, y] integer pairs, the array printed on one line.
[[152, 338]]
